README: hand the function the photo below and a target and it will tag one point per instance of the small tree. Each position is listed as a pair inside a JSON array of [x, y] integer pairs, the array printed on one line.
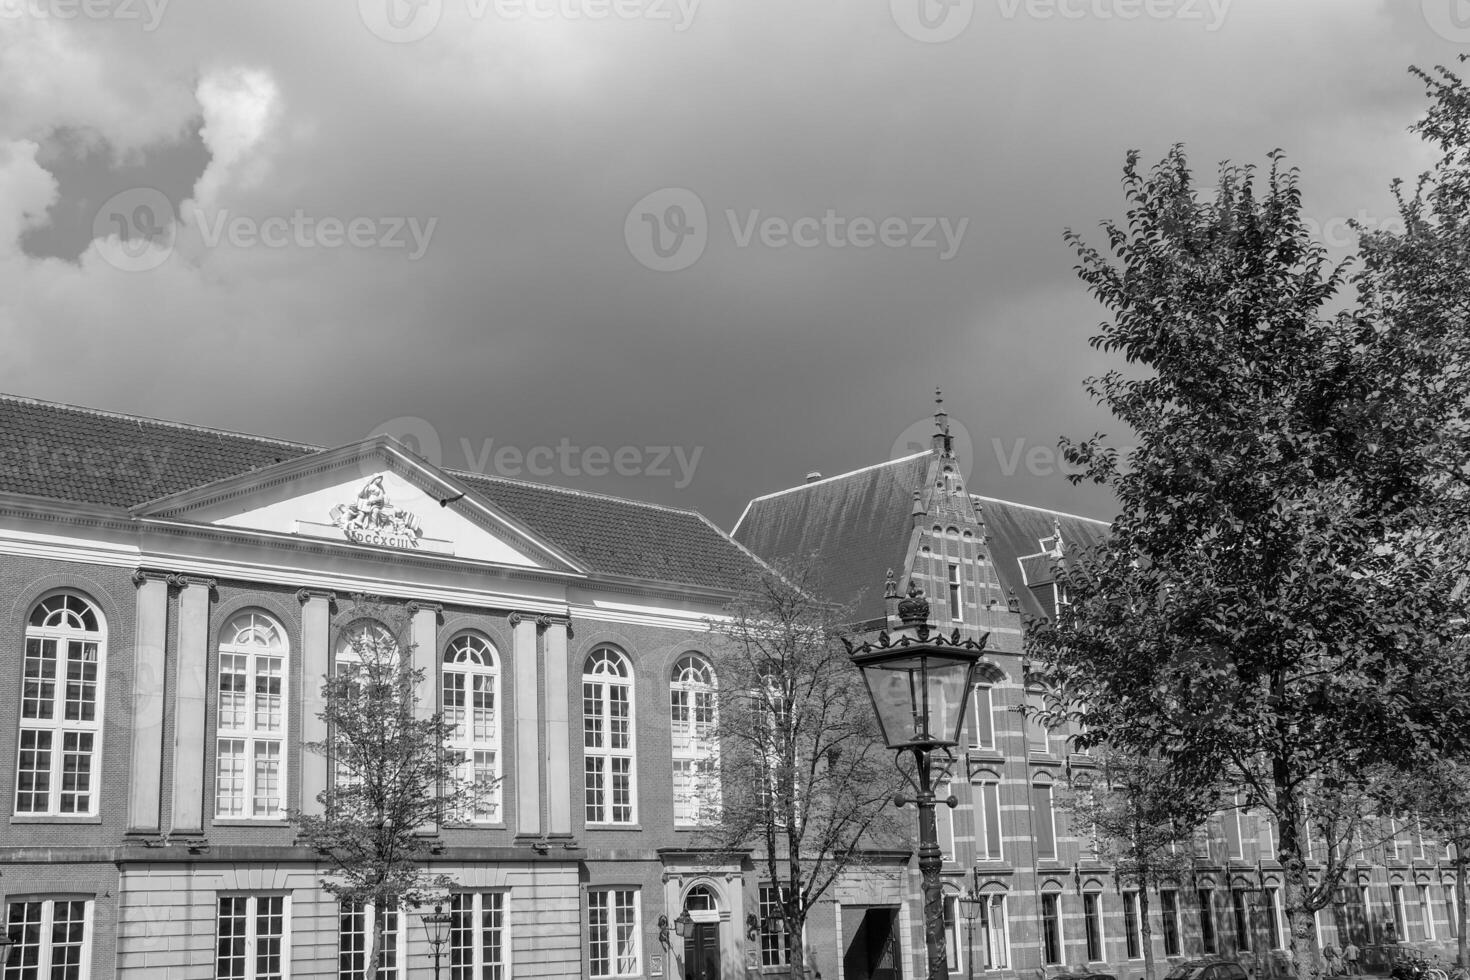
[[1439, 795], [394, 781], [806, 778], [1141, 822]]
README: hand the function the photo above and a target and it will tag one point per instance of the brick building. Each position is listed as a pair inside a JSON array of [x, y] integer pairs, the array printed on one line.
[[987, 565]]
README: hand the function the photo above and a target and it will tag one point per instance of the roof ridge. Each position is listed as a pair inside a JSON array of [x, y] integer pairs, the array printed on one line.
[[839, 476], [123, 416], [687, 511], [1043, 510]]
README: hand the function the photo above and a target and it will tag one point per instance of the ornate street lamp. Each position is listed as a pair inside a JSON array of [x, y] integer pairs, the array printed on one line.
[[920, 685], [436, 929], [970, 908]]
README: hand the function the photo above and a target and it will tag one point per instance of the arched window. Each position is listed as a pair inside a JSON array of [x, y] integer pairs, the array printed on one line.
[[695, 746], [362, 643], [607, 736], [250, 773], [61, 708], [471, 689]]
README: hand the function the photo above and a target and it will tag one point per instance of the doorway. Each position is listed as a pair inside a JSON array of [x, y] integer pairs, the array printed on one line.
[[702, 946], [873, 950]]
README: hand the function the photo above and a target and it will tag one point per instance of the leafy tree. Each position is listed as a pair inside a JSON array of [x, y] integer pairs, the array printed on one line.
[[806, 778], [1141, 824], [1276, 600], [394, 781]]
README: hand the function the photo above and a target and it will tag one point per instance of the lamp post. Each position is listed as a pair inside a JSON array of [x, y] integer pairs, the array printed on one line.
[[436, 928], [970, 908], [920, 686]]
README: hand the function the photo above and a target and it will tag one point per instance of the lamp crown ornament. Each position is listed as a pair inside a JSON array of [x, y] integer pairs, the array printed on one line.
[[913, 608]]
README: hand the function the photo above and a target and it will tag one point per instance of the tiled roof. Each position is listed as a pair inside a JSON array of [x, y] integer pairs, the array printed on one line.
[[80, 455], [1015, 532], [858, 523]]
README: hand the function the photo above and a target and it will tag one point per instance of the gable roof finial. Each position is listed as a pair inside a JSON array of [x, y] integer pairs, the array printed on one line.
[[943, 442]]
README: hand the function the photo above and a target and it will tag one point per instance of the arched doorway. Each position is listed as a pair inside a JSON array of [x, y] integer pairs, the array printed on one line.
[[702, 945]]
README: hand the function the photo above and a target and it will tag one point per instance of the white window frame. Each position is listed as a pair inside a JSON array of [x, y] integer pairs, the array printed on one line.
[[952, 941], [982, 698], [695, 743], [956, 594], [945, 825], [45, 932], [1279, 937], [1051, 816], [1426, 912], [772, 926], [605, 669], [252, 938], [609, 895], [1401, 911], [364, 915], [259, 638], [1205, 899], [1235, 849], [57, 727], [1132, 904], [1034, 699], [1061, 930], [995, 902], [985, 790], [1102, 932], [499, 902], [1164, 916], [471, 655]]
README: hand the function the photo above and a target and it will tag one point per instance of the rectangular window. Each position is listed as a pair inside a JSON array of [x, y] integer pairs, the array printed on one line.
[[1418, 840], [1273, 917], [1267, 838], [1132, 925], [1452, 910], [1169, 911], [1391, 845], [1037, 736], [1426, 913], [772, 928], [988, 835], [1207, 920], [477, 939], [1233, 846], [1092, 920], [250, 942], [612, 933], [1046, 829], [994, 938], [982, 732], [956, 606], [1238, 905], [355, 925], [952, 934], [1051, 928], [52, 938], [1400, 914]]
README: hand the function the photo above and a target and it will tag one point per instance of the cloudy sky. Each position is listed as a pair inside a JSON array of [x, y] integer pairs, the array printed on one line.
[[736, 240]]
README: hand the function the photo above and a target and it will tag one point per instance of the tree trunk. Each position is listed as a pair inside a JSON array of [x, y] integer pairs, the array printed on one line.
[[1146, 932], [1291, 851], [1460, 865], [374, 951]]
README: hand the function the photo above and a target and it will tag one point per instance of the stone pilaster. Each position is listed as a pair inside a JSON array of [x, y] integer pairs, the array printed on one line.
[[528, 727], [191, 696], [558, 731], [316, 660], [145, 777]]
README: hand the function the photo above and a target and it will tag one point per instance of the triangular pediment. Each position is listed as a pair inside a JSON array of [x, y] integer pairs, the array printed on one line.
[[375, 494]]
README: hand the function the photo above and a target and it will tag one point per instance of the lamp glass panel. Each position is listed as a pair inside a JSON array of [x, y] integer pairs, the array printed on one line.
[[920, 698]]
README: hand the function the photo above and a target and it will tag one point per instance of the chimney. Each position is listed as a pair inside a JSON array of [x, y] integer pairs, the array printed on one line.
[[813, 476]]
